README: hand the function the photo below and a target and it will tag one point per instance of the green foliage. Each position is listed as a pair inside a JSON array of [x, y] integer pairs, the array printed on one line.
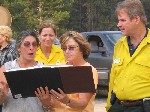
[[79, 15], [27, 14]]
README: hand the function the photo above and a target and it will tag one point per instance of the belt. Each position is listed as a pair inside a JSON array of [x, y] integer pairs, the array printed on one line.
[[129, 103]]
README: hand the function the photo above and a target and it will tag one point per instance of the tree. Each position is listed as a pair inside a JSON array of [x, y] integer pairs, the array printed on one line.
[[79, 15], [27, 14], [146, 4]]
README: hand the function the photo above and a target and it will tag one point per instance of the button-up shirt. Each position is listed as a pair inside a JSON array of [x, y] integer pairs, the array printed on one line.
[[130, 75], [56, 56]]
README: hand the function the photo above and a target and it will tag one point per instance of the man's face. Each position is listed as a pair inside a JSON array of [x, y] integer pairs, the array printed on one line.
[[125, 24]]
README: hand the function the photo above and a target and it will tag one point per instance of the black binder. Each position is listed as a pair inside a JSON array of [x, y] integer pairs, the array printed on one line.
[[72, 79]]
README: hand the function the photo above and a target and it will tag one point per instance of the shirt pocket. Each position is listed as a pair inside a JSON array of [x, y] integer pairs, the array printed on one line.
[[143, 62], [142, 68]]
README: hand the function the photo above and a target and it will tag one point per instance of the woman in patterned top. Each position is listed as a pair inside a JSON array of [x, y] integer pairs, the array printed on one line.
[[7, 51]]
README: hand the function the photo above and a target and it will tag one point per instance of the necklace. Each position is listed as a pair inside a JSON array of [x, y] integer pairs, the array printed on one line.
[[21, 65]]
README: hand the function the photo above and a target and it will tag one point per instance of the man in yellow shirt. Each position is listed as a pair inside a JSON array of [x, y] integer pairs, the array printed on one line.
[[48, 53], [130, 74]]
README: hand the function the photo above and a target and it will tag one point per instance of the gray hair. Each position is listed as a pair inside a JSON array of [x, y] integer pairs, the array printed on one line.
[[133, 8], [23, 35]]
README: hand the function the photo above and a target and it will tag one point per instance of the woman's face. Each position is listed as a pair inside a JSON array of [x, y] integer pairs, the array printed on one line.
[[72, 51], [47, 37], [28, 48], [2, 39]]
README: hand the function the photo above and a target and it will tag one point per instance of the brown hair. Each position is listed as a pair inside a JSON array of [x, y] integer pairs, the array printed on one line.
[[83, 44], [133, 8], [47, 24]]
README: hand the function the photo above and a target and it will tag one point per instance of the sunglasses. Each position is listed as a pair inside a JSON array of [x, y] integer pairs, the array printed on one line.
[[28, 44], [71, 48]]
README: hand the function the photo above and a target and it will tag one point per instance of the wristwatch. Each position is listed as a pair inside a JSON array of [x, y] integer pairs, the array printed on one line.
[[68, 103]]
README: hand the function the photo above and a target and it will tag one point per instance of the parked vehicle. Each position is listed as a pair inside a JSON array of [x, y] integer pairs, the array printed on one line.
[[102, 47]]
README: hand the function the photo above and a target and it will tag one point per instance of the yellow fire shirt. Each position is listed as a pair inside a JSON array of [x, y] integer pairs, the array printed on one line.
[[56, 56], [130, 75]]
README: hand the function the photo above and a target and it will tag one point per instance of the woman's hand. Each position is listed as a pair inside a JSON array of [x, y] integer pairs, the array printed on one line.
[[62, 97], [44, 96]]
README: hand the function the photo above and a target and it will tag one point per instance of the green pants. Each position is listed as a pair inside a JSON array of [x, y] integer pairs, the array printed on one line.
[[119, 108]]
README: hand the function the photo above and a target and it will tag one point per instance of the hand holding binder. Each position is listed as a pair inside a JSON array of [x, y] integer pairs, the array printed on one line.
[[71, 79]]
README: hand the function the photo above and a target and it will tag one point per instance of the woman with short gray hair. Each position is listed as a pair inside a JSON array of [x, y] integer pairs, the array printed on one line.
[[26, 45]]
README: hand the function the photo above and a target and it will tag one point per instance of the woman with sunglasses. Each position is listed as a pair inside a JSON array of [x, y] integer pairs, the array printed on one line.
[[47, 52], [26, 45], [76, 49]]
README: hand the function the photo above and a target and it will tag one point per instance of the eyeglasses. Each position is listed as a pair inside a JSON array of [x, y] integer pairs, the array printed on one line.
[[28, 44], [70, 48]]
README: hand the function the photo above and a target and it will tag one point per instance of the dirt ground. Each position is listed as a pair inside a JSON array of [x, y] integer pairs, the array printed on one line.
[[100, 104]]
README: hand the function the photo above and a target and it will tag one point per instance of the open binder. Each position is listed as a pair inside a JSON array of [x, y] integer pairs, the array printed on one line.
[[71, 79]]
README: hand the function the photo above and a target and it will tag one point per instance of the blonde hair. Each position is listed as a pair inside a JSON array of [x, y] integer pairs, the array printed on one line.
[[7, 32]]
